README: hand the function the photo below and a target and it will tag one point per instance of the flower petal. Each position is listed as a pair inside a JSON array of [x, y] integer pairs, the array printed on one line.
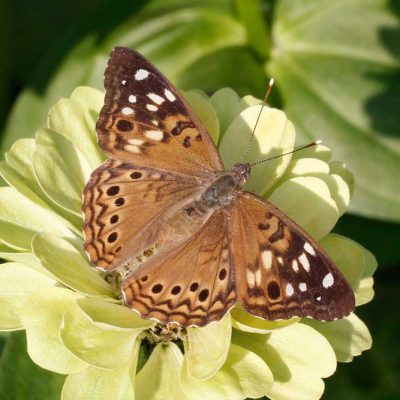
[[339, 168], [41, 315], [244, 374], [98, 384], [99, 344], [17, 281], [68, 265], [18, 172], [226, 104], [319, 152], [207, 348], [102, 384], [159, 379], [364, 291], [28, 259], [274, 134], [340, 191], [118, 315], [306, 166], [61, 170], [205, 112], [248, 323], [75, 119], [305, 199], [347, 255], [348, 337], [21, 218], [298, 357]]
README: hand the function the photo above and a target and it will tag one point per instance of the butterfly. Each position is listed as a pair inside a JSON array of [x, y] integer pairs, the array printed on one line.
[[188, 240]]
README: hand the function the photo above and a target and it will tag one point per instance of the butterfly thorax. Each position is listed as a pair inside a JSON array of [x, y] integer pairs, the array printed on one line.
[[221, 191]]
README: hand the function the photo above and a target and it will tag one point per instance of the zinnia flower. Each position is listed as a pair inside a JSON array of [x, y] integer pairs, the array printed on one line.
[[75, 323]]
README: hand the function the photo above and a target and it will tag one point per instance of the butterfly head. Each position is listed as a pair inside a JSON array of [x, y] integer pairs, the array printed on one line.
[[241, 173]]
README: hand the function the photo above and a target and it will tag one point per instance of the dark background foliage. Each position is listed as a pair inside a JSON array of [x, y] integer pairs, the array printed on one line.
[[337, 66]]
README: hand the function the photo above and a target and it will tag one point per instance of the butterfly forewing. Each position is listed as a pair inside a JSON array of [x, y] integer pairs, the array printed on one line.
[[281, 272], [125, 207], [146, 121], [192, 285]]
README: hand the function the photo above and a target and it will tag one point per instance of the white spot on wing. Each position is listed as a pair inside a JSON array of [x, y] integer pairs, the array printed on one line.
[[289, 290], [304, 262], [132, 98], [295, 266], [257, 277], [127, 111], [151, 107], [135, 142], [123, 82], [266, 257], [154, 135], [141, 74], [318, 298], [328, 281], [169, 95], [280, 260], [250, 278], [132, 148], [154, 122], [309, 249], [302, 286], [156, 98]]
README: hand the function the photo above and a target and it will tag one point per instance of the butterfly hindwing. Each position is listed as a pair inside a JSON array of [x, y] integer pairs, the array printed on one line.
[[146, 121], [192, 285], [281, 272]]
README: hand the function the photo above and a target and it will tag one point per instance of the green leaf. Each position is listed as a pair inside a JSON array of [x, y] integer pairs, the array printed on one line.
[[294, 198], [98, 344], [42, 315], [69, 266], [349, 337], [206, 348], [21, 219], [298, 357], [60, 170], [21, 379], [338, 81], [159, 379], [17, 281], [274, 134], [244, 374]]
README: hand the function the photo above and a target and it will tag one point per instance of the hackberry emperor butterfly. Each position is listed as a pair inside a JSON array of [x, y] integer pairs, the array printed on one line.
[[163, 198]]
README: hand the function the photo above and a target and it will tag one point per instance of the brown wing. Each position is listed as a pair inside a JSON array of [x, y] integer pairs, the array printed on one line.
[[192, 285], [281, 272], [124, 207], [146, 121]]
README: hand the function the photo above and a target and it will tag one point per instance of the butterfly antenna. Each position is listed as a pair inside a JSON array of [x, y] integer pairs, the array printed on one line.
[[314, 143], [267, 93]]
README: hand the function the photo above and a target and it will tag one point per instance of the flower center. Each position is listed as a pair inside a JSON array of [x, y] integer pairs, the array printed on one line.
[[163, 333]]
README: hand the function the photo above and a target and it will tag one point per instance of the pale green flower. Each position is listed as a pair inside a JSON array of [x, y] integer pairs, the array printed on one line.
[[75, 323]]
